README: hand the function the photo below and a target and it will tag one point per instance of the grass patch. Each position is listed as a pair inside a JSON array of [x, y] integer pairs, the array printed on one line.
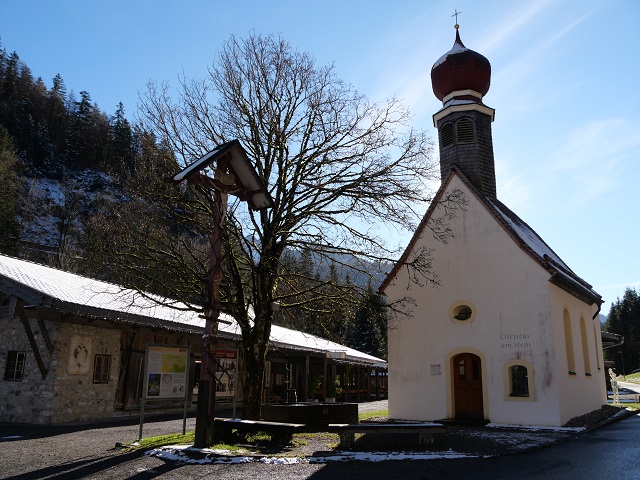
[[257, 437], [632, 406], [633, 377], [299, 442], [374, 414], [162, 440], [301, 439], [177, 439]]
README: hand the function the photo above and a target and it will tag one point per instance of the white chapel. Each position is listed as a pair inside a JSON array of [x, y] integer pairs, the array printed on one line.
[[511, 334]]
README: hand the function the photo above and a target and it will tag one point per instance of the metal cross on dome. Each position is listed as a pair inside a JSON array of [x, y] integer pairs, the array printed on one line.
[[455, 14]]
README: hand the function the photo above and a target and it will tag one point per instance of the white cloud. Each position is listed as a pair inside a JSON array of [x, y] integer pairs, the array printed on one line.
[[500, 33], [531, 60], [597, 142], [513, 189], [595, 157]]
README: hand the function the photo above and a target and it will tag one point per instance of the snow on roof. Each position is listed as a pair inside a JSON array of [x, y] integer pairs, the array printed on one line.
[[457, 48], [287, 336], [68, 292], [526, 233], [523, 234], [563, 276], [456, 101], [77, 294], [197, 165]]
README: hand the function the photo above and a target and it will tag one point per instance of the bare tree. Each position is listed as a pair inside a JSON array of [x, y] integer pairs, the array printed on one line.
[[336, 165]]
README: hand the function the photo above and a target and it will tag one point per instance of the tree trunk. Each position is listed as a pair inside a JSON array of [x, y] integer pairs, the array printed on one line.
[[254, 361]]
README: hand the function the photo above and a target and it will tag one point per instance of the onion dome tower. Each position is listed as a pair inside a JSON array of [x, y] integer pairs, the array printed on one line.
[[460, 80]]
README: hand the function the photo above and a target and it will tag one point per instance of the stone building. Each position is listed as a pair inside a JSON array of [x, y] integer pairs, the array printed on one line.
[[511, 334], [73, 349]]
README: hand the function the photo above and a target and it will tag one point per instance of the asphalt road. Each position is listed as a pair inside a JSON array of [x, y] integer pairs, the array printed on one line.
[[70, 453]]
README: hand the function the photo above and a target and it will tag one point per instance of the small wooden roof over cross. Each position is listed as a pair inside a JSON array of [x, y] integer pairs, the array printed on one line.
[[233, 174]]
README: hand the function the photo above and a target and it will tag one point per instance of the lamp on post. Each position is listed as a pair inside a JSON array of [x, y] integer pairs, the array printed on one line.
[[233, 175], [622, 362]]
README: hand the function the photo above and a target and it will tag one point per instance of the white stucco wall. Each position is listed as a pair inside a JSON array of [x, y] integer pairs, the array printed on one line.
[[579, 393], [516, 318]]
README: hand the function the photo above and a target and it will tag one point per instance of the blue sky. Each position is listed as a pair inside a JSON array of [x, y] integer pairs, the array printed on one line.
[[564, 85]]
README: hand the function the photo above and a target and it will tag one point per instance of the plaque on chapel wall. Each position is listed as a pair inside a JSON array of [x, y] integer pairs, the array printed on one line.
[[80, 355]]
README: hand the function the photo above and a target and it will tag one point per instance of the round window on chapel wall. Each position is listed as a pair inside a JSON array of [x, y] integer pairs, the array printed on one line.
[[462, 312]]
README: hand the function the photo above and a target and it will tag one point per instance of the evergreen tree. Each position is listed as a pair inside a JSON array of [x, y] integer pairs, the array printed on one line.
[[9, 226], [9, 93], [88, 138], [56, 115], [121, 147], [624, 319], [369, 331], [76, 147]]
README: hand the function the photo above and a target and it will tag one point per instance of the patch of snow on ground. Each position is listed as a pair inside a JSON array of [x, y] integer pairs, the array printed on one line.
[[178, 453], [389, 456], [280, 460], [522, 441], [537, 428]]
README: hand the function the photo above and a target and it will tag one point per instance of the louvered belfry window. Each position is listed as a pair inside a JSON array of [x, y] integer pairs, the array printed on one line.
[[446, 135], [465, 130]]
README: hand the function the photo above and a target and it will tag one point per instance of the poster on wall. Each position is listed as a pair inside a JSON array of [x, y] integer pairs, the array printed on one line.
[[166, 372], [226, 372]]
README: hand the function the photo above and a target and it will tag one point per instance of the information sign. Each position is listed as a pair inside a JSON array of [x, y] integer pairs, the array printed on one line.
[[166, 372], [226, 372]]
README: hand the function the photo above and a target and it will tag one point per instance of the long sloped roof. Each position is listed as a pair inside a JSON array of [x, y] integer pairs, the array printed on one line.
[[43, 286], [561, 275]]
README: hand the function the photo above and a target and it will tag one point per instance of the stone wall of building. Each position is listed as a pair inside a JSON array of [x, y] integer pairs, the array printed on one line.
[[30, 399], [76, 396]]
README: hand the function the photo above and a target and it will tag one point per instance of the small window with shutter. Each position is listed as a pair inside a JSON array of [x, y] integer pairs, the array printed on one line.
[[101, 367], [14, 370]]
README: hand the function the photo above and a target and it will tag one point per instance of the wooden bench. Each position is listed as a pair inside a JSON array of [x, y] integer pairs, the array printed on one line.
[[280, 432], [425, 431]]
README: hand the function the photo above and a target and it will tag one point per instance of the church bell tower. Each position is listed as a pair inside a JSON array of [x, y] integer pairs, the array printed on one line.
[[460, 80]]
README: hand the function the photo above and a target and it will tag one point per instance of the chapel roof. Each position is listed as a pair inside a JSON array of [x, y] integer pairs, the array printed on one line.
[[70, 294], [524, 236]]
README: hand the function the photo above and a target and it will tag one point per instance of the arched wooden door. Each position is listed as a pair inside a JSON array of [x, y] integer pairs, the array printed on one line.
[[467, 386]]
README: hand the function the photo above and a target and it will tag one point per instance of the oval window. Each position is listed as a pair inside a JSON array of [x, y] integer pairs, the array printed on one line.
[[462, 312]]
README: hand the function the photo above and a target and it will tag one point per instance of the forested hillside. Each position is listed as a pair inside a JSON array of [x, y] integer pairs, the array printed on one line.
[[78, 184]]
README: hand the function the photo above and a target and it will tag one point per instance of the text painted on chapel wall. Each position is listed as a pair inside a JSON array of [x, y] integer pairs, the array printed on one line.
[[515, 340]]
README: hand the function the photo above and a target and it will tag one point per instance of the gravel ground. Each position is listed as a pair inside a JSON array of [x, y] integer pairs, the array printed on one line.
[[89, 451]]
